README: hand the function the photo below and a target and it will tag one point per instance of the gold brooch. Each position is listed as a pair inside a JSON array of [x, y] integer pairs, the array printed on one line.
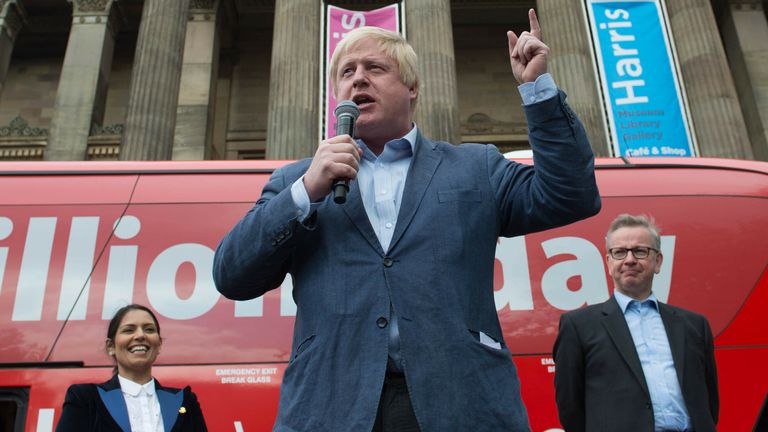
[[182, 410]]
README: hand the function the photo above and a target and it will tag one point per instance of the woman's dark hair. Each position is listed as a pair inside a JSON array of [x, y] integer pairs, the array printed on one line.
[[114, 323]]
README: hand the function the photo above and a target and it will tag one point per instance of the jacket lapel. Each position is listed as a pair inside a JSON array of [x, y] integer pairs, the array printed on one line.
[[425, 161], [675, 328], [170, 403], [355, 210], [112, 397], [618, 331]]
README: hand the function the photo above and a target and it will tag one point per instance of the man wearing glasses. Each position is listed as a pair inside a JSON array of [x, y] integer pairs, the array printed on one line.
[[634, 363]]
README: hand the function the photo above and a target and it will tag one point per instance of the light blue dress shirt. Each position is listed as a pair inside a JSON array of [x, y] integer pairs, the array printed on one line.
[[652, 345], [381, 180]]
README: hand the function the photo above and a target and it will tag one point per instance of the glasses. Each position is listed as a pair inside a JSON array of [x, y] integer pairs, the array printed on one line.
[[640, 252]]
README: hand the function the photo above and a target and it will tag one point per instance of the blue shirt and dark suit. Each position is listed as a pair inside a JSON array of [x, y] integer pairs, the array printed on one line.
[[434, 278], [626, 365]]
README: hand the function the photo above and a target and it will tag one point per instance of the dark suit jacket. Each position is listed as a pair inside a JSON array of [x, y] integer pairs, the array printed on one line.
[[437, 275], [600, 385], [102, 408]]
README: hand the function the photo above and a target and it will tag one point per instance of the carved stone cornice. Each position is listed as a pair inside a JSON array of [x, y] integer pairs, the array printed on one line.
[[90, 7], [203, 10], [104, 152], [482, 124], [202, 4], [97, 12], [103, 149], [18, 127], [19, 141], [22, 151], [113, 129]]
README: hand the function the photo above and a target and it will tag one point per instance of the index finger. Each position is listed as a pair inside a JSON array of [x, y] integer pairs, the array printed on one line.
[[534, 20]]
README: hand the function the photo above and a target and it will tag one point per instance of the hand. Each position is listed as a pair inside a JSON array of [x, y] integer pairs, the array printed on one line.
[[336, 158], [527, 53]]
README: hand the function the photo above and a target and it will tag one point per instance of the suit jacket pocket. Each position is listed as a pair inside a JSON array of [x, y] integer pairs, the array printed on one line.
[[466, 195], [302, 347], [492, 342]]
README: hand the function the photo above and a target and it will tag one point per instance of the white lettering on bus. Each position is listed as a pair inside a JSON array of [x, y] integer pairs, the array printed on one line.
[[6, 228], [45, 419], [161, 282], [77, 267], [554, 283], [516, 291], [34, 269], [587, 266], [121, 267]]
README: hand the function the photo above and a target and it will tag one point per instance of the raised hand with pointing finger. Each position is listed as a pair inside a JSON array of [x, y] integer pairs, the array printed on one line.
[[527, 53]]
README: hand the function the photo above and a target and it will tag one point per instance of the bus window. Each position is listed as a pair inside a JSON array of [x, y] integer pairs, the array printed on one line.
[[13, 409]]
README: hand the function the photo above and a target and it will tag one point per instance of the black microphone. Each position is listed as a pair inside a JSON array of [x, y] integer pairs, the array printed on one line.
[[346, 114]]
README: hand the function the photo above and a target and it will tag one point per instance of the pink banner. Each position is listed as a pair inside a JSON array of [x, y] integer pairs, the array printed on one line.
[[339, 22]]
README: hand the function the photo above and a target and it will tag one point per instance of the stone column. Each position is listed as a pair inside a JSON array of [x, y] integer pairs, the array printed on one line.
[[12, 19], [194, 114], [717, 119], [154, 93], [84, 78], [571, 63], [292, 118], [430, 32], [745, 35]]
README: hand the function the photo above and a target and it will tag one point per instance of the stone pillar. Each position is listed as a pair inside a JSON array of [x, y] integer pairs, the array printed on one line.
[[430, 32], [12, 19], [154, 92], [571, 63], [717, 119], [292, 118], [84, 78], [194, 114], [745, 35]]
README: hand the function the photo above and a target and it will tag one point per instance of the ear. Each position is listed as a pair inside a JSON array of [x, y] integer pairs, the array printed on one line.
[[413, 91], [109, 345], [659, 260]]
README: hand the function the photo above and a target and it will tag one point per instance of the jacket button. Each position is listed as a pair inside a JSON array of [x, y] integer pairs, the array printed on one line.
[[381, 322], [388, 262]]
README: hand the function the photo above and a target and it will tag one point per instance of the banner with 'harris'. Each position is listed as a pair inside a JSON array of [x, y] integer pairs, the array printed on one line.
[[640, 84]]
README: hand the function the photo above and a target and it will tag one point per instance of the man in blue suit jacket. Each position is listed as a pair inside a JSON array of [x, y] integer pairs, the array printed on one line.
[[396, 327]]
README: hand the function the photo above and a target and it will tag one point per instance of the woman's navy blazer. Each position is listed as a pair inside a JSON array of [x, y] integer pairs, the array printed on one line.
[[101, 407]]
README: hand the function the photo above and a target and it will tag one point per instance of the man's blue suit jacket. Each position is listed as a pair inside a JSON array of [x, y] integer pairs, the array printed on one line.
[[437, 275]]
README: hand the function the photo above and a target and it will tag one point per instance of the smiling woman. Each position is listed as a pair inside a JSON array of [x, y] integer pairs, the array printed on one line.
[[132, 400]]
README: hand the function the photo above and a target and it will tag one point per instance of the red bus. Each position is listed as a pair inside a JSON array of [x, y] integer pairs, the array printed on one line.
[[79, 240]]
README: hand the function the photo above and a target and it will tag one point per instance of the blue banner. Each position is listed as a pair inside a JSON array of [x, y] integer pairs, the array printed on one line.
[[640, 85]]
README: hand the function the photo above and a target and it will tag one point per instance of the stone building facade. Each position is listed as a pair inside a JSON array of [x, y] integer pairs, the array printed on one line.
[[239, 79]]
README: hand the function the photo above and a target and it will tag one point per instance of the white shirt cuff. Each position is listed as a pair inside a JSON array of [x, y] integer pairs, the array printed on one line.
[[300, 199]]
